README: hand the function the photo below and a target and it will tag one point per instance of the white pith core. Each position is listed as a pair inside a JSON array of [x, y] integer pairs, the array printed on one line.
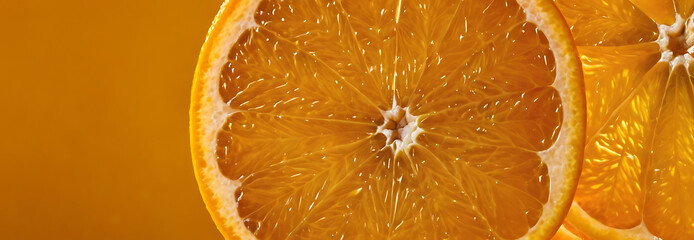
[[400, 128], [683, 32]]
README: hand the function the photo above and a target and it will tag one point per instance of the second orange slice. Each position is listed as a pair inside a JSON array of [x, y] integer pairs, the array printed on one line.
[[638, 175]]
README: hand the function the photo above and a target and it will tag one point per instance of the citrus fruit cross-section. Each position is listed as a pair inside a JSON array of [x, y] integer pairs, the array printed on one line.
[[388, 119], [637, 180]]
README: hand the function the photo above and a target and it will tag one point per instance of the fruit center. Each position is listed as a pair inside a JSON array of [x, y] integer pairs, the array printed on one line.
[[399, 126], [677, 43], [676, 39]]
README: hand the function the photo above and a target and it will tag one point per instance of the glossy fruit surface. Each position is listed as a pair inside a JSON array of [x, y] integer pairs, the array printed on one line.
[[388, 119]]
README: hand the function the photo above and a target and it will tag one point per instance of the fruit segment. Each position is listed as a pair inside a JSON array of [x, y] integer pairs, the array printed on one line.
[[662, 12], [670, 177], [607, 23]]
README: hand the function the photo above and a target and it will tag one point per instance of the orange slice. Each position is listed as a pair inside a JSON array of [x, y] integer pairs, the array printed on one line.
[[637, 180], [387, 119]]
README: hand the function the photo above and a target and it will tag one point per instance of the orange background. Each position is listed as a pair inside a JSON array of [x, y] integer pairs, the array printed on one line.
[[94, 119]]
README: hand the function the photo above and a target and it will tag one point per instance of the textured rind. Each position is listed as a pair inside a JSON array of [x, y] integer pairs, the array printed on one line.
[[547, 17], [565, 234], [593, 229], [206, 110]]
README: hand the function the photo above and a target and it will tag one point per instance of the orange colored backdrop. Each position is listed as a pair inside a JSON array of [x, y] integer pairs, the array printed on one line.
[[94, 100]]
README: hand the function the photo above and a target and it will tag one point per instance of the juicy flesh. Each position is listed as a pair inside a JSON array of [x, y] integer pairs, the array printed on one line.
[[465, 86], [639, 157]]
